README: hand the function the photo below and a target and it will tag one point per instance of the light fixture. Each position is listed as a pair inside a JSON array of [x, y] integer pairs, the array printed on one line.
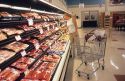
[[81, 4]]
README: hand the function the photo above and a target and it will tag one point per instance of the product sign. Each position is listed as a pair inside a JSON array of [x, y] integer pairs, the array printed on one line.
[[36, 45], [41, 31], [48, 28], [30, 22], [56, 28], [53, 27], [23, 53], [17, 37]]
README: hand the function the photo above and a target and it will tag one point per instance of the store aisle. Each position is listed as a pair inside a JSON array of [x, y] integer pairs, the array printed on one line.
[[114, 60]]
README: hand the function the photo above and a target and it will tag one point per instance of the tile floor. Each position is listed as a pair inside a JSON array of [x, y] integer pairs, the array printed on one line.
[[114, 60]]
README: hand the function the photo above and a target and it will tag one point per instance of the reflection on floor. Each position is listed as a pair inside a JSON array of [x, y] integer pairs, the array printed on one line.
[[114, 60]]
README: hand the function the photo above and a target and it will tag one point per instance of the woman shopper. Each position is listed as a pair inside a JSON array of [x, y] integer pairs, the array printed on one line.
[[73, 32]]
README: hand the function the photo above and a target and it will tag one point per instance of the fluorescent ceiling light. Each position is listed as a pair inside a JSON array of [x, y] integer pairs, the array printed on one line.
[[81, 5]]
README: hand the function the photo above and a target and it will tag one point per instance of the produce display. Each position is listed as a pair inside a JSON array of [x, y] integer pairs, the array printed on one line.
[[40, 62]]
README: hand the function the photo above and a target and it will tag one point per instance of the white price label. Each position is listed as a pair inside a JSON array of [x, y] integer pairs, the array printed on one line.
[[23, 53], [56, 28], [48, 19], [53, 27], [17, 37], [37, 45], [41, 31], [45, 19], [50, 47], [48, 28], [30, 22]]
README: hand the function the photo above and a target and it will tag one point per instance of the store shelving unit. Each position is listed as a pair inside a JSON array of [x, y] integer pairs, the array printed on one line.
[[41, 7]]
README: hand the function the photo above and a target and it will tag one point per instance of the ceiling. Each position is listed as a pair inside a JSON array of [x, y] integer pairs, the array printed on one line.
[[86, 2], [92, 2]]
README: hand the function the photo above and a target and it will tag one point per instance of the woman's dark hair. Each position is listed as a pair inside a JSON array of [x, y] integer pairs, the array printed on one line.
[[77, 17]]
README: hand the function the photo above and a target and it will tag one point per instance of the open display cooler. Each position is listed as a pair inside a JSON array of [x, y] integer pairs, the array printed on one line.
[[32, 45]]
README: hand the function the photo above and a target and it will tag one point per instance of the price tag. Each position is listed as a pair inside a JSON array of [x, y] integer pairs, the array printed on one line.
[[48, 28], [41, 31], [50, 46], [53, 27], [48, 19], [23, 53], [17, 37], [37, 45], [45, 19], [30, 22], [56, 28]]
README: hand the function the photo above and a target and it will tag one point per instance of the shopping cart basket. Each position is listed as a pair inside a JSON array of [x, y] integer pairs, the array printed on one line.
[[92, 56]]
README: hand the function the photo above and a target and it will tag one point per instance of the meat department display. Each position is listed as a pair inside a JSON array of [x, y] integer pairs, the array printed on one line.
[[44, 62]]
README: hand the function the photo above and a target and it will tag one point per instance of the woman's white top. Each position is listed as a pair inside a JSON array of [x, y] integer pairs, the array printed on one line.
[[71, 26]]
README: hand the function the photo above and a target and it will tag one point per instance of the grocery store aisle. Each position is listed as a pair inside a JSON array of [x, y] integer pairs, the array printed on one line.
[[114, 60]]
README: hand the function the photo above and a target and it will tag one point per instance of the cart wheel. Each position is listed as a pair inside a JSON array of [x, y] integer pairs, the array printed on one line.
[[103, 68], [88, 76], [79, 73]]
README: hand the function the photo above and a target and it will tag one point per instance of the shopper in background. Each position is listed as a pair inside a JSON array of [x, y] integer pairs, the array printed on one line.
[[73, 32]]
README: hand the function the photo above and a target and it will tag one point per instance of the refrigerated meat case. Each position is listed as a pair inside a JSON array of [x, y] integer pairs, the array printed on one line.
[[39, 39]]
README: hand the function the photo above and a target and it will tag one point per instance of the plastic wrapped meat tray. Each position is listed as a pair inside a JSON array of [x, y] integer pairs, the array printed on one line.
[[9, 74], [26, 28], [2, 36], [51, 58], [11, 31], [23, 63], [34, 53], [5, 55], [16, 46], [39, 75]]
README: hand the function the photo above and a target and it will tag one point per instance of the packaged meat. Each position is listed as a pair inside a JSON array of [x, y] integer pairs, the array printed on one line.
[[31, 15], [38, 26], [23, 63], [5, 55], [16, 46], [9, 74], [29, 80], [51, 65], [35, 53], [11, 31], [45, 18], [41, 75], [50, 58], [2, 36], [42, 66], [21, 66], [26, 27], [5, 14], [36, 65], [40, 36]]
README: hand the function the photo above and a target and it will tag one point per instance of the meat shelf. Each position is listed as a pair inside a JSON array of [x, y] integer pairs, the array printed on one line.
[[23, 35], [19, 55]]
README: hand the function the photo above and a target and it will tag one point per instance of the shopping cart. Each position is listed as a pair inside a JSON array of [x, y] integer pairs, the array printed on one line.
[[92, 54]]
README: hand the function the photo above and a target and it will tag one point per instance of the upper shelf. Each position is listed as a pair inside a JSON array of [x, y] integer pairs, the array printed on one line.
[[35, 4]]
